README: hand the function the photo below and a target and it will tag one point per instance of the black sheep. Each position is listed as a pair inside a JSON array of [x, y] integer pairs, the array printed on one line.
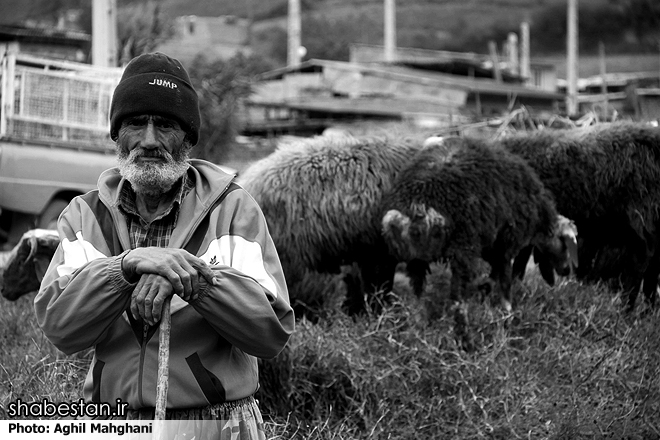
[[463, 200], [605, 178]]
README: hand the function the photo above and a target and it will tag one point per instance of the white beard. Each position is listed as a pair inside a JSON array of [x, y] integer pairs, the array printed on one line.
[[151, 178]]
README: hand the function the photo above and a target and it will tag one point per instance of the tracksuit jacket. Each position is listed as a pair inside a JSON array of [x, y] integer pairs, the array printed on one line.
[[84, 298]]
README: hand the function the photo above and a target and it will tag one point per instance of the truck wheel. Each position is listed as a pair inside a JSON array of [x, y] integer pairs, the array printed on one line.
[[48, 218]]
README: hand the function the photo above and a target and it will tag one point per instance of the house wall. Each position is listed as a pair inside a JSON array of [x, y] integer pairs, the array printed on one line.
[[487, 105], [649, 106], [543, 77], [56, 51], [351, 84]]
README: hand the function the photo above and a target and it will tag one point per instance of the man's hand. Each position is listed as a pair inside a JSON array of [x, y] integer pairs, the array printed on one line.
[[149, 296], [181, 268]]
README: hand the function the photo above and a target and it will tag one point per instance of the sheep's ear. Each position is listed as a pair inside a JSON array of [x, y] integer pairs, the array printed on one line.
[[394, 223]]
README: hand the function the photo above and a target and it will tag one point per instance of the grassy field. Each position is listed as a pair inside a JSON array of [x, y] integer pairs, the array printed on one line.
[[567, 364]]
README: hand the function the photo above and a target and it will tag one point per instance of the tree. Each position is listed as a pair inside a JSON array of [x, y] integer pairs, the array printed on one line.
[[643, 18], [221, 86], [140, 28], [330, 38]]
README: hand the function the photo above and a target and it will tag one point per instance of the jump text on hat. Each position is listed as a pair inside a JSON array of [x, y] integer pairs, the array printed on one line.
[[163, 83]]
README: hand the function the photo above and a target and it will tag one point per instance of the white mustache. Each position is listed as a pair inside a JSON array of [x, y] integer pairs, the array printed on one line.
[[134, 155]]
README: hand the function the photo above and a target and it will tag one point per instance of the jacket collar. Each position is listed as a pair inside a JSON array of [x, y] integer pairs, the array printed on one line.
[[210, 182]]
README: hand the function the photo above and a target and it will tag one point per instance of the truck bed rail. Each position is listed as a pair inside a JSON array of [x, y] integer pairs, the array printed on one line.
[[56, 102]]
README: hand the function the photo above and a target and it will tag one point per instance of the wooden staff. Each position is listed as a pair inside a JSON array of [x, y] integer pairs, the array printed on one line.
[[163, 365]]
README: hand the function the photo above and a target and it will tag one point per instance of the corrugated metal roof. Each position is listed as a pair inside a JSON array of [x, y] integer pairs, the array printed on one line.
[[8, 32], [482, 85]]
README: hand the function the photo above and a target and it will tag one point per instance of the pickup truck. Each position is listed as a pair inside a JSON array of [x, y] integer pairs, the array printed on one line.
[[54, 138]]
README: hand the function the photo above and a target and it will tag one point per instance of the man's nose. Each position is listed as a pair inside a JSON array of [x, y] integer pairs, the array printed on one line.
[[150, 136]]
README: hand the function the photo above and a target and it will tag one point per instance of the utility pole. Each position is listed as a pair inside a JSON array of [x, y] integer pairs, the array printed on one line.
[[492, 49], [514, 60], [104, 33], [390, 31], [525, 69], [602, 62], [294, 46], [572, 58]]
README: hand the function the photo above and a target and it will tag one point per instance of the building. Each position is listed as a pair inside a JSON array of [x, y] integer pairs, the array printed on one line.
[[622, 84], [428, 92], [543, 75], [54, 43]]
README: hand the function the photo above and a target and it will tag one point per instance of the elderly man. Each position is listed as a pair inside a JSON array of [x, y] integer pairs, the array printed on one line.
[[164, 226]]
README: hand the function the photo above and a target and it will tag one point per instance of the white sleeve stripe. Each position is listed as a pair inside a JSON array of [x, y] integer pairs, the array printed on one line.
[[243, 255], [76, 254]]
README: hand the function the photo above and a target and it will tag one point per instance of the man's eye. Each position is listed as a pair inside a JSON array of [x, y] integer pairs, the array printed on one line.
[[135, 122], [165, 124]]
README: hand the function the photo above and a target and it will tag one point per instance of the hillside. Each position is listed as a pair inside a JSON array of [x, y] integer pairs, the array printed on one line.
[[330, 26], [461, 25]]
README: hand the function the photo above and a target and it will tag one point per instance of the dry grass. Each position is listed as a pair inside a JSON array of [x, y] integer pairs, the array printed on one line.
[[568, 364], [31, 368]]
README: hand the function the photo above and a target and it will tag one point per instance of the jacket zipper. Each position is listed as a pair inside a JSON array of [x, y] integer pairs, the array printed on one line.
[[200, 217], [143, 349]]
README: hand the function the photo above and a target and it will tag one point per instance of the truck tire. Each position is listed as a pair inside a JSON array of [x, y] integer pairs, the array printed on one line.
[[48, 218]]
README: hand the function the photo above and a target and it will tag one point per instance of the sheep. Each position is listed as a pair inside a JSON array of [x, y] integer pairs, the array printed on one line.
[[24, 266], [605, 178], [462, 200], [320, 197], [557, 255]]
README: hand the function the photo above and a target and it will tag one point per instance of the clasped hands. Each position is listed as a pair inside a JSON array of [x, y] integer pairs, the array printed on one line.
[[160, 273]]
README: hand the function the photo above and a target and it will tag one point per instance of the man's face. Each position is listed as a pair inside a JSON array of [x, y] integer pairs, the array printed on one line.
[[152, 152]]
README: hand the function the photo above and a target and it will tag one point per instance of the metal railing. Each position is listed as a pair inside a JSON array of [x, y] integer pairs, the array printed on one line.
[[56, 101]]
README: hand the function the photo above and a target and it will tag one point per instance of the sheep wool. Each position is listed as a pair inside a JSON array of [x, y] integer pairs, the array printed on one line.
[[462, 201], [605, 178], [321, 197]]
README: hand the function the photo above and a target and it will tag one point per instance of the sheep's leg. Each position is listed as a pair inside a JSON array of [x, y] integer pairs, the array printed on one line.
[[520, 263], [459, 279], [643, 247], [651, 283], [586, 255], [631, 282], [501, 273], [378, 276], [651, 279], [417, 271], [354, 303], [545, 267]]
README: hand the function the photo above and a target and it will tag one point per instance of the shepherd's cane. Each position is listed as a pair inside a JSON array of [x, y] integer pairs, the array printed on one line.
[[163, 370]]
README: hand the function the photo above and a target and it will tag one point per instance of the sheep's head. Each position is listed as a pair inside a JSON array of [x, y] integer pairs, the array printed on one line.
[[558, 253], [420, 236], [25, 266]]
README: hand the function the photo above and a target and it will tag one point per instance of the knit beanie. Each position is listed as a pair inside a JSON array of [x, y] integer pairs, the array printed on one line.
[[154, 83]]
